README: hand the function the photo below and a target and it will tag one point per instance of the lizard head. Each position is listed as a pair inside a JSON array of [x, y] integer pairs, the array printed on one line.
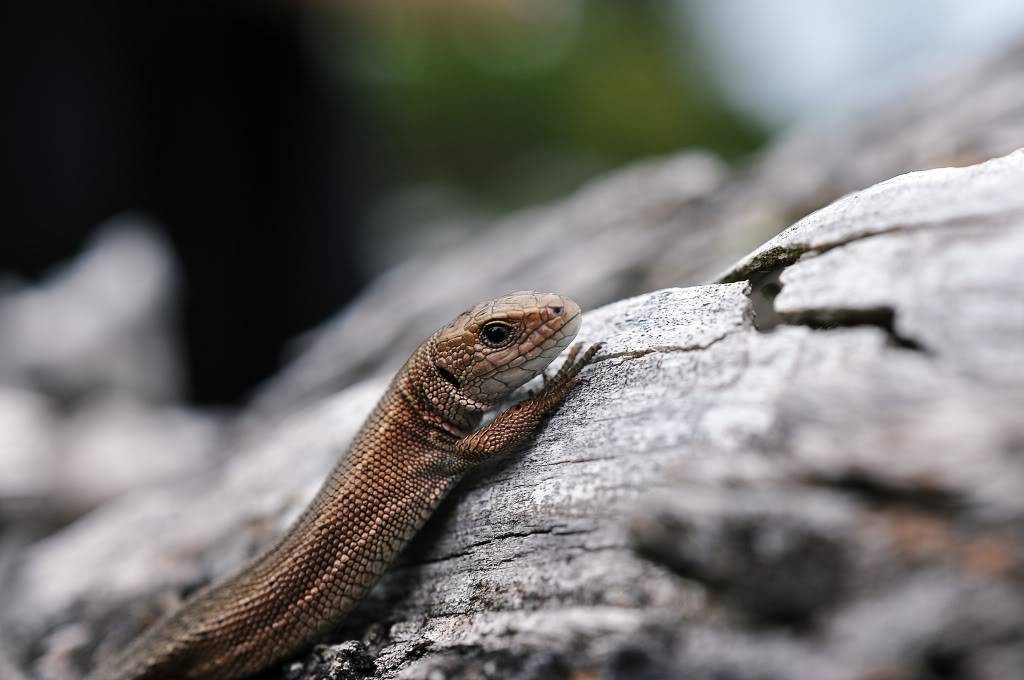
[[491, 349]]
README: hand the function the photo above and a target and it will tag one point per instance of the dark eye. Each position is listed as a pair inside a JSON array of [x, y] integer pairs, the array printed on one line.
[[496, 334]]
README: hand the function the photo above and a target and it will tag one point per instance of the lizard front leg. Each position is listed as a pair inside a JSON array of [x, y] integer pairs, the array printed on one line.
[[515, 425]]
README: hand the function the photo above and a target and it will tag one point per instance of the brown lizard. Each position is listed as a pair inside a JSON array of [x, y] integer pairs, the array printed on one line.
[[421, 438]]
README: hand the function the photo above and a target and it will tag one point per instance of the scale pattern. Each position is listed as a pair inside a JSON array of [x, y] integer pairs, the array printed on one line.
[[413, 448]]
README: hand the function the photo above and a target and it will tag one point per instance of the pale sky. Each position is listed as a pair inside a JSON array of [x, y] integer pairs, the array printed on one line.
[[785, 60]]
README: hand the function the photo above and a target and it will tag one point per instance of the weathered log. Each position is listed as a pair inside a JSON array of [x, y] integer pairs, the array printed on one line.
[[838, 493]]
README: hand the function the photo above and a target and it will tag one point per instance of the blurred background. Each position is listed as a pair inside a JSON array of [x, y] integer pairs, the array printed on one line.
[[291, 152], [190, 187]]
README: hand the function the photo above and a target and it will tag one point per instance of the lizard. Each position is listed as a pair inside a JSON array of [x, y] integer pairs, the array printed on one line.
[[422, 437]]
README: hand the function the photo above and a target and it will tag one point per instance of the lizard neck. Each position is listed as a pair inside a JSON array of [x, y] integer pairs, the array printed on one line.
[[435, 403]]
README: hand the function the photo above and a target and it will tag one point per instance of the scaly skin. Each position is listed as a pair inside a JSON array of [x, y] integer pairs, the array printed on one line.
[[413, 448]]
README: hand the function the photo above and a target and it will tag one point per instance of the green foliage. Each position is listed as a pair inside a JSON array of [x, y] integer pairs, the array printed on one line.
[[539, 92]]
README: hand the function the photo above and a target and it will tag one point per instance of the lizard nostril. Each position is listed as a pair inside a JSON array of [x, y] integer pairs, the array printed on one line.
[[556, 309]]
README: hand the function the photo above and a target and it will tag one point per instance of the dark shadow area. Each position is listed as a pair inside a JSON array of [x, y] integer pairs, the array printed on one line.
[[208, 116]]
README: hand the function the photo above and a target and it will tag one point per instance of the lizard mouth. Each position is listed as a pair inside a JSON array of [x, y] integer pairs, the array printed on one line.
[[569, 328], [575, 316]]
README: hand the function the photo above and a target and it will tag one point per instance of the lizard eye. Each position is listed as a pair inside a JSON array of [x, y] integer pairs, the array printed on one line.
[[496, 334]]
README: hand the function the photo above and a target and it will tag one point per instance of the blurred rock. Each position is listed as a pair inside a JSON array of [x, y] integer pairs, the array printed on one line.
[[27, 455], [88, 363], [112, 446], [840, 497], [958, 117], [59, 465], [677, 221], [103, 323]]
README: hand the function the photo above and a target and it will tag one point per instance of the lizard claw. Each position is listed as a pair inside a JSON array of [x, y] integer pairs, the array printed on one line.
[[566, 379]]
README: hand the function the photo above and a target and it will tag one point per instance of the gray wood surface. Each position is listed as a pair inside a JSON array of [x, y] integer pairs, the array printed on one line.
[[837, 494]]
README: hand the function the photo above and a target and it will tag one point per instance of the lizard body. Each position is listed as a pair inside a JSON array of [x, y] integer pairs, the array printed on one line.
[[418, 442]]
